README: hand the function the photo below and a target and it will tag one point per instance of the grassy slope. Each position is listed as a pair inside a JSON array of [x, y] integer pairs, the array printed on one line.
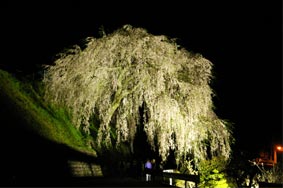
[[40, 118]]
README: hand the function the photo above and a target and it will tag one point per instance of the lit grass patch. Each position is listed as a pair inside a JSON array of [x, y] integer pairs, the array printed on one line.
[[43, 119]]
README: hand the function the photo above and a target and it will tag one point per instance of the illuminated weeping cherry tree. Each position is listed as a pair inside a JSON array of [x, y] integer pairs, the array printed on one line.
[[117, 74]]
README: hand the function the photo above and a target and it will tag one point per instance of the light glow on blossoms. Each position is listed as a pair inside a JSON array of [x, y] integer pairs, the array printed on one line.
[[115, 75]]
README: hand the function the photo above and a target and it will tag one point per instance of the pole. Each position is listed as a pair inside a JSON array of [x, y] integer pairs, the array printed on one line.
[[274, 156]]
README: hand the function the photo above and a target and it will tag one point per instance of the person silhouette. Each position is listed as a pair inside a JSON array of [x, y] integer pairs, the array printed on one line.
[[153, 169], [148, 170]]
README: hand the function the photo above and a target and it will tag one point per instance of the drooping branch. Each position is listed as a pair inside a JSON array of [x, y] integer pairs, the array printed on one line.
[[119, 72]]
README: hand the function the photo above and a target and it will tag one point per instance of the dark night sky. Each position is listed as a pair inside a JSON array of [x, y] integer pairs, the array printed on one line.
[[242, 40]]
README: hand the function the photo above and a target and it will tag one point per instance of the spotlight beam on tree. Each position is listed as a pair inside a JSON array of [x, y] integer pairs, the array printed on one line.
[[113, 76]]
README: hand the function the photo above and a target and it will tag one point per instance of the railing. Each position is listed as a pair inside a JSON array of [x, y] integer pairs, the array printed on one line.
[[186, 177]]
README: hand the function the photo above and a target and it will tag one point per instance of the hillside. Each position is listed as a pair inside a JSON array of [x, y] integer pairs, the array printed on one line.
[[37, 140]]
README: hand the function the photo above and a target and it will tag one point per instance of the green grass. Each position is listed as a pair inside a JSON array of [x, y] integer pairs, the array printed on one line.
[[44, 119]]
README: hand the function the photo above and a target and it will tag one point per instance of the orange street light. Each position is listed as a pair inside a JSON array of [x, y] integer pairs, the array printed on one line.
[[277, 148]]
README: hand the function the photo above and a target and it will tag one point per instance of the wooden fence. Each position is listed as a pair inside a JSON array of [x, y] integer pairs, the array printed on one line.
[[186, 177]]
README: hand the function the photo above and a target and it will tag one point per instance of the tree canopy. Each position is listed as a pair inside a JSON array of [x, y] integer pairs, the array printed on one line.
[[131, 75]]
